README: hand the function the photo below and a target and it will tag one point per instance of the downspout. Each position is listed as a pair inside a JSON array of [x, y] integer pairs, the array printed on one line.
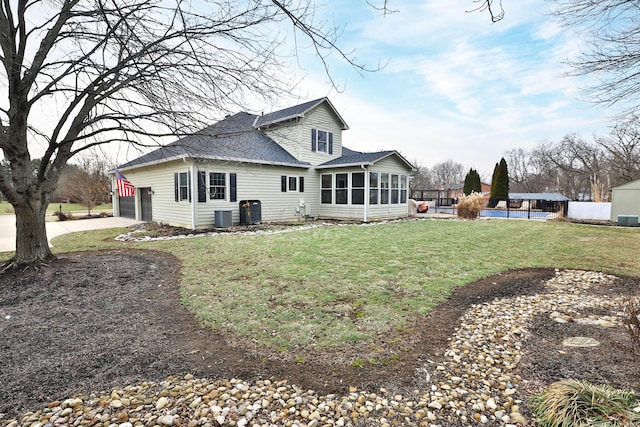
[[115, 200], [194, 183], [366, 193], [193, 195]]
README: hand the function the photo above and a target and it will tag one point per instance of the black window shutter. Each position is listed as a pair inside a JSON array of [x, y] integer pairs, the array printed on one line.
[[313, 140], [202, 186], [330, 143], [189, 184], [176, 189], [233, 188], [283, 183], [301, 184]]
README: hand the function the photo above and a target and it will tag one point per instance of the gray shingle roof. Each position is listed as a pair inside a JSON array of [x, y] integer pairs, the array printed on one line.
[[297, 111], [240, 138], [550, 197], [233, 138], [351, 157]]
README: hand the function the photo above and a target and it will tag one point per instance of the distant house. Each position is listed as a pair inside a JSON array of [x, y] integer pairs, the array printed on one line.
[[625, 200], [284, 165]]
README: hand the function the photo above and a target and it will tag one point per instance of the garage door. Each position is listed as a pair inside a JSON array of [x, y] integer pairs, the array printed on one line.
[[127, 207]]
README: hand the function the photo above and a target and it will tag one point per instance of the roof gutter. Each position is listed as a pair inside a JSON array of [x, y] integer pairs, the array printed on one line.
[[343, 165]]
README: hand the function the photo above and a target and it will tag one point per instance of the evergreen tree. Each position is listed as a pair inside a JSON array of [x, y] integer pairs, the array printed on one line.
[[475, 183], [502, 190], [472, 182], [466, 189], [494, 184], [499, 183]]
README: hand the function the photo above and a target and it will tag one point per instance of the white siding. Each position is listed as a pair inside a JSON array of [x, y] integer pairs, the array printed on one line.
[[295, 136], [390, 165], [255, 182], [160, 179]]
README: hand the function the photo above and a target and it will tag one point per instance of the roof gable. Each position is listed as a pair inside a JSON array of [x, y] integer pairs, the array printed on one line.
[[296, 112], [631, 185]]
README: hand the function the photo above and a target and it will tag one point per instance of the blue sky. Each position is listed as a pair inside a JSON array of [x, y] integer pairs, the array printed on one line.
[[455, 85]]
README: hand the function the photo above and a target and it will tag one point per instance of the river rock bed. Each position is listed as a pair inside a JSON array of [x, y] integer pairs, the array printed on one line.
[[476, 382]]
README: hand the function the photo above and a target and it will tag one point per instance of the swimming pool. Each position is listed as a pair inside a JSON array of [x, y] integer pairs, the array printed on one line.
[[499, 213]]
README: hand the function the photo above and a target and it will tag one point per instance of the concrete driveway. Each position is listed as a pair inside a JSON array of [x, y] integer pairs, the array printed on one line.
[[8, 228]]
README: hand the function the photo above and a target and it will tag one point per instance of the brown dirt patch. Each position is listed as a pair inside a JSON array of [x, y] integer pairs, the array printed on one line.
[[90, 322]]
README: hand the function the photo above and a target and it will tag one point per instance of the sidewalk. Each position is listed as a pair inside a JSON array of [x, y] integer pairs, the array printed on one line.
[[58, 228]]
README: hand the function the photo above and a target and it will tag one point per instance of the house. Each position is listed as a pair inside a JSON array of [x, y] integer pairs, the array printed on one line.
[[285, 165], [625, 202]]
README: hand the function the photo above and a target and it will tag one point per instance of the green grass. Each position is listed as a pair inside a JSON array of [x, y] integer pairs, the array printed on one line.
[[6, 208], [333, 286]]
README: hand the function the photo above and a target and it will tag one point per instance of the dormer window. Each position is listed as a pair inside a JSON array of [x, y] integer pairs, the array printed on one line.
[[321, 141]]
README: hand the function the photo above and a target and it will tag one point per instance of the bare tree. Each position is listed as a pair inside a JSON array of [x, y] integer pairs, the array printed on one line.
[[447, 172], [422, 178], [612, 49], [520, 170], [494, 8], [530, 171], [622, 150], [87, 182], [125, 71], [611, 53], [575, 167]]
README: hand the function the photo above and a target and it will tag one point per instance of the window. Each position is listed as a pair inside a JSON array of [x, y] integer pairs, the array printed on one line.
[[291, 183], [327, 183], [182, 186], [384, 188], [395, 193], [217, 186], [202, 186], [342, 186], [373, 188], [321, 141], [403, 189], [357, 188]]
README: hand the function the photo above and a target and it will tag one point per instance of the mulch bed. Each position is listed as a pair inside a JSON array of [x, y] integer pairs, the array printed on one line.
[[90, 322]]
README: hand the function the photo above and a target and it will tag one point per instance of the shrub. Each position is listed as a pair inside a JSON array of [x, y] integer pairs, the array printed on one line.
[[469, 207], [580, 403], [62, 216]]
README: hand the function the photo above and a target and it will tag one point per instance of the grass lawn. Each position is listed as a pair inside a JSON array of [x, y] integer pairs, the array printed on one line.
[[332, 286], [6, 208]]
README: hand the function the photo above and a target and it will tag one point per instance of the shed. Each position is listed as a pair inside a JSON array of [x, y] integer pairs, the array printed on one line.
[[625, 200]]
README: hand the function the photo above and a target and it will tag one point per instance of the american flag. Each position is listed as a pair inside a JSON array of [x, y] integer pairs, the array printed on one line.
[[125, 188]]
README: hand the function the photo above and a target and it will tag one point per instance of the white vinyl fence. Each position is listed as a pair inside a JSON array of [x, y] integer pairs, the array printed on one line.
[[589, 210]]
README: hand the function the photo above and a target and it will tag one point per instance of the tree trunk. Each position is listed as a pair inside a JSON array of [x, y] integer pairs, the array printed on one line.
[[31, 233]]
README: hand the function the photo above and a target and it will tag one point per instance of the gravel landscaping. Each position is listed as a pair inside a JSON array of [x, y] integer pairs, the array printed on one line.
[[101, 339]]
